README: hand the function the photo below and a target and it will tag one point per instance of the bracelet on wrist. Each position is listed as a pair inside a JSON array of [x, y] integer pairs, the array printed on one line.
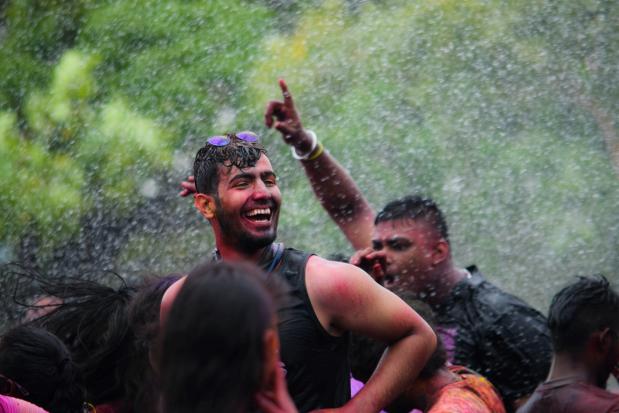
[[305, 156], [319, 150]]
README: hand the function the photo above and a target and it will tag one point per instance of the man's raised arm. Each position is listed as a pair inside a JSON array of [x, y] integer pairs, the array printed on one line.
[[332, 184]]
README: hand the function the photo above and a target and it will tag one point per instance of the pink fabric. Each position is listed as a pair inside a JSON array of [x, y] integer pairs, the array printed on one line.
[[13, 405]]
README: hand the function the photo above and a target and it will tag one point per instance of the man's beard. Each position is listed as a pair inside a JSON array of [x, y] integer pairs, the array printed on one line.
[[234, 233]]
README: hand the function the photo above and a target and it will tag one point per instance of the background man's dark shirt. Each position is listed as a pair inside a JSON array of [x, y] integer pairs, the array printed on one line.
[[496, 334]]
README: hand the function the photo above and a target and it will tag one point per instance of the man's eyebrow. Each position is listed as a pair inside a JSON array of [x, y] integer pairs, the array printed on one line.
[[397, 238], [268, 174], [242, 175]]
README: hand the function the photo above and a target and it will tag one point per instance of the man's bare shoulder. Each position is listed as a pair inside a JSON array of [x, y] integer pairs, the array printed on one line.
[[168, 299], [333, 283]]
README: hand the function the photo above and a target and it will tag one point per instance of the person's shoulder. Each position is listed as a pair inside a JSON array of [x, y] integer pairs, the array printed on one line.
[[13, 405], [583, 397], [332, 271], [497, 300], [597, 399], [458, 397], [168, 299], [333, 280]]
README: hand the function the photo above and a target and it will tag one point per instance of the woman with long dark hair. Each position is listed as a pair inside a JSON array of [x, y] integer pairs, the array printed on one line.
[[220, 344]]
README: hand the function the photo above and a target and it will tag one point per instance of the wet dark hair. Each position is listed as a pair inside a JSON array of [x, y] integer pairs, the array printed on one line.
[[415, 207], [238, 152], [212, 356], [92, 322], [141, 384], [587, 305], [365, 353], [39, 362]]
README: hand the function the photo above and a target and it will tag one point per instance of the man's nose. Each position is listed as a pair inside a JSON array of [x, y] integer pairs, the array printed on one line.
[[261, 191]]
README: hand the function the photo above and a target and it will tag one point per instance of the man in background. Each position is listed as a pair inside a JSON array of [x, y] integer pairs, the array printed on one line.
[[406, 247], [584, 323]]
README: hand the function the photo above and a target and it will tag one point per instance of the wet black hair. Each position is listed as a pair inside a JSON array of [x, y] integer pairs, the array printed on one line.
[[365, 353], [212, 356], [141, 384], [415, 207], [39, 362], [585, 306], [209, 158], [92, 322]]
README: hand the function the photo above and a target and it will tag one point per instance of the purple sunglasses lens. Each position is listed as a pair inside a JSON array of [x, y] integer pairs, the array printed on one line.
[[247, 136], [218, 140]]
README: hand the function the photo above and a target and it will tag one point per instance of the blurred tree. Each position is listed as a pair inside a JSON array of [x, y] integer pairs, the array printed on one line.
[[183, 64], [34, 34], [502, 111], [146, 77], [485, 106], [81, 158]]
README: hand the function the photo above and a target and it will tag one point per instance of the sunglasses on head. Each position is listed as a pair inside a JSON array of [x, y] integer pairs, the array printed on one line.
[[223, 140]]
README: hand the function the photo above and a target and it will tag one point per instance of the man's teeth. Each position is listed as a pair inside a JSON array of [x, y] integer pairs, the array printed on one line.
[[254, 212]]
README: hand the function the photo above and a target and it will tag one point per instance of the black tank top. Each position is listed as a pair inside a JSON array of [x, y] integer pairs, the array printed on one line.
[[316, 363]]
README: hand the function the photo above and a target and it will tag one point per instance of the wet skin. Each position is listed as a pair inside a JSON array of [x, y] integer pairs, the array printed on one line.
[[409, 252], [247, 205]]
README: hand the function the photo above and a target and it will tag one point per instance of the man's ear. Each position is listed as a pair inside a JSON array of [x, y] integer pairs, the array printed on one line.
[[441, 251], [205, 204], [605, 338]]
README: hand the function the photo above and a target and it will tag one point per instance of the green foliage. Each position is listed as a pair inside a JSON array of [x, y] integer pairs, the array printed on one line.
[[502, 111], [35, 34], [40, 191], [78, 154], [484, 106], [180, 63]]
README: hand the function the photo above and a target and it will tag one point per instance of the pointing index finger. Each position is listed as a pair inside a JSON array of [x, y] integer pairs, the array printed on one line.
[[287, 96]]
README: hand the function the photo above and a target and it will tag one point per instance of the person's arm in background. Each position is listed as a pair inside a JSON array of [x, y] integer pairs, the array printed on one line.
[[334, 187]]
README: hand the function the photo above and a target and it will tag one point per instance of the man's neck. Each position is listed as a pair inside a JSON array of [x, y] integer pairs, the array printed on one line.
[[229, 253], [446, 278], [568, 366]]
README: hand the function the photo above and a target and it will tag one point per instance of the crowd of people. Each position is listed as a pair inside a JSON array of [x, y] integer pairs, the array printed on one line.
[[263, 327]]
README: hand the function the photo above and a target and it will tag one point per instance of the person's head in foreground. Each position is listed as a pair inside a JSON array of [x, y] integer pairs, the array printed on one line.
[[237, 192], [220, 344], [91, 320], [584, 323], [39, 368]]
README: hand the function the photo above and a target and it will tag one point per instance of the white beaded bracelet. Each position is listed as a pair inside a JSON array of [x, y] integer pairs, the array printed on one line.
[[306, 155]]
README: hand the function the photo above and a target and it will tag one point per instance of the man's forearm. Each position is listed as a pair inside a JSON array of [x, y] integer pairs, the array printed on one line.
[[341, 198], [396, 371]]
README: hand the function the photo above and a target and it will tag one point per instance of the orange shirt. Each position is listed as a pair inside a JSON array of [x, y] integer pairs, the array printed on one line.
[[472, 394]]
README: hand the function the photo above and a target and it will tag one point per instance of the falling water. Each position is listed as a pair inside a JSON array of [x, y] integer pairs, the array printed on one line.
[[504, 112]]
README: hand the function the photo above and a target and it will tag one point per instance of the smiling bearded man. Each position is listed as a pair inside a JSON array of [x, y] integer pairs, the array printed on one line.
[[237, 193]]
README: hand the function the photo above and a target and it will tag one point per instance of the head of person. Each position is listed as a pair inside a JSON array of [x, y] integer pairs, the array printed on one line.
[[414, 236], [39, 367], [237, 190], [365, 354], [220, 344], [584, 324], [92, 321], [141, 383]]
